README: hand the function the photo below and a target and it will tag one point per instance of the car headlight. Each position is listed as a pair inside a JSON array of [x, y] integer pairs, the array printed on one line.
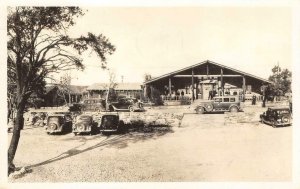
[[278, 120], [285, 119], [53, 126]]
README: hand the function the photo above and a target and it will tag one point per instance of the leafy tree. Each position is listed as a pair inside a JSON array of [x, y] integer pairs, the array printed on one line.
[[38, 46], [147, 77], [281, 79], [281, 83]]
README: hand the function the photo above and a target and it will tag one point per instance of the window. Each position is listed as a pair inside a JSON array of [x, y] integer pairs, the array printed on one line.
[[218, 99], [226, 99], [232, 99]]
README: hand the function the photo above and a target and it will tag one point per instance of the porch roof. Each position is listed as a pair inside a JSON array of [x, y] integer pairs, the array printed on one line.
[[202, 64]]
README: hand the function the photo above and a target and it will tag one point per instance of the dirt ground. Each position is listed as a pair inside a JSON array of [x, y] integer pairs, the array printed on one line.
[[204, 148]]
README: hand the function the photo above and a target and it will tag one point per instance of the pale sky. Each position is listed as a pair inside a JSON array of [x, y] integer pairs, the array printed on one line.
[[161, 40]]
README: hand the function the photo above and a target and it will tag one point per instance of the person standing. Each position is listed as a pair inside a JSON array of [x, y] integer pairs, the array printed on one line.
[[254, 100]]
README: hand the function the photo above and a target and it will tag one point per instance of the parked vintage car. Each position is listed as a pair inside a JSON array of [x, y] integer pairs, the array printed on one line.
[[218, 104], [110, 122], [59, 123], [93, 104], [84, 124], [126, 104], [277, 116]]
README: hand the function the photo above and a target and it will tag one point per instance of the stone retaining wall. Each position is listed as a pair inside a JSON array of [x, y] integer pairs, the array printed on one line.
[[146, 118], [241, 118]]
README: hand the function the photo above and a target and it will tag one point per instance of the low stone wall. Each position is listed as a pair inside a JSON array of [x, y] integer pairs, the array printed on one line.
[[241, 118], [145, 118], [167, 119]]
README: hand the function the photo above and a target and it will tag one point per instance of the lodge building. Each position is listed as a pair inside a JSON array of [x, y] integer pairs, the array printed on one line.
[[198, 80]]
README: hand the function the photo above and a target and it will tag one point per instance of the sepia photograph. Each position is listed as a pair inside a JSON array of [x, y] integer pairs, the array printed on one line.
[[105, 94]]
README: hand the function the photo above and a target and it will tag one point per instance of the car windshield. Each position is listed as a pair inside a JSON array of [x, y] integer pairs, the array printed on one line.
[[55, 119], [109, 121]]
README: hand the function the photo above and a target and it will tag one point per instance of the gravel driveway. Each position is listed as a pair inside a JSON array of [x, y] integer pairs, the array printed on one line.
[[204, 148]]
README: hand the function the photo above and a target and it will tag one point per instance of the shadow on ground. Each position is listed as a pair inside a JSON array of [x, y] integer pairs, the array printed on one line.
[[112, 141]]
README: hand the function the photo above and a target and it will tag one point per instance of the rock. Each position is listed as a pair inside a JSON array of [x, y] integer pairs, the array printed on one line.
[[160, 121], [19, 173]]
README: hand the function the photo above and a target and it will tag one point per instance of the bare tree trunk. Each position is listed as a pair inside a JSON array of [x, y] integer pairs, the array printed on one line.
[[16, 136]]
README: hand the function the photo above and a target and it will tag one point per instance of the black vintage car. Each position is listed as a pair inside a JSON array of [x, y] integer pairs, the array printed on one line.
[[126, 104], [277, 116], [84, 124], [59, 123], [92, 104], [110, 122]]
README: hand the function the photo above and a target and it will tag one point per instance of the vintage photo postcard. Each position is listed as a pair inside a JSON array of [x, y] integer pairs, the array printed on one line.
[[163, 95]]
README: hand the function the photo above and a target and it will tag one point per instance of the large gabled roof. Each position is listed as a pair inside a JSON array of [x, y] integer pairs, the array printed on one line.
[[205, 62]]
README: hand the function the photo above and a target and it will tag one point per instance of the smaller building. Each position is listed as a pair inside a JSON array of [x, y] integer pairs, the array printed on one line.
[[99, 90], [56, 95]]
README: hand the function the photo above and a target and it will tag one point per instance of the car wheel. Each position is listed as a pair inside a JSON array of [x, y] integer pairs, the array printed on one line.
[[234, 109], [200, 110], [208, 107], [131, 109]]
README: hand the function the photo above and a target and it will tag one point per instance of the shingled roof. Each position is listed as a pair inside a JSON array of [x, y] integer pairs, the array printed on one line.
[[74, 89], [201, 64], [120, 86]]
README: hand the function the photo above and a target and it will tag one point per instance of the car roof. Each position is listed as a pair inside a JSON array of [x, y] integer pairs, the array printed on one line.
[[227, 96], [279, 108], [56, 115], [85, 116], [94, 99]]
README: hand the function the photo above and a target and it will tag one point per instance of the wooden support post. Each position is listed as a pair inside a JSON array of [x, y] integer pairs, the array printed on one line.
[[207, 71], [70, 100], [222, 84], [193, 95], [170, 86], [244, 88]]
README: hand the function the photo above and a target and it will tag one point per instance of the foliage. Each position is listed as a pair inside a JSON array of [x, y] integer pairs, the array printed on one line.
[[37, 46], [153, 95], [147, 77], [281, 79]]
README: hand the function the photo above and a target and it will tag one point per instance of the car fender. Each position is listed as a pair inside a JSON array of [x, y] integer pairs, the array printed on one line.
[[233, 105], [200, 106]]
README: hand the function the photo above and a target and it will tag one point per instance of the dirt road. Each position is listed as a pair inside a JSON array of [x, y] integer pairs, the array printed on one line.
[[202, 149]]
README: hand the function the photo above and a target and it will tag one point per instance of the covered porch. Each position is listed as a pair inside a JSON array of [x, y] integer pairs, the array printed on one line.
[[205, 80]]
